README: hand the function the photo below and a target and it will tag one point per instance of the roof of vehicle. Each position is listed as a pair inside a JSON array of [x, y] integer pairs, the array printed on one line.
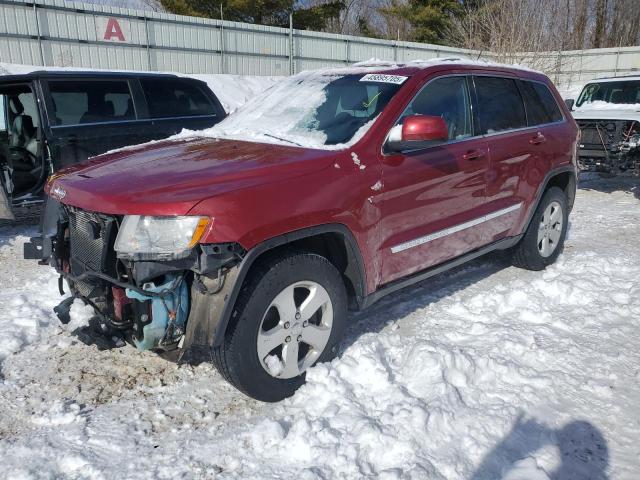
[[611, 79], [32, 75], [415, 66]]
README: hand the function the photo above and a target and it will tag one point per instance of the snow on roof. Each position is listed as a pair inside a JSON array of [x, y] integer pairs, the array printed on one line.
[[375, 63]]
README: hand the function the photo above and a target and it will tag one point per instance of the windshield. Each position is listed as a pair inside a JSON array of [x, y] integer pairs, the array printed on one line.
[[625, 92], [315, 110]]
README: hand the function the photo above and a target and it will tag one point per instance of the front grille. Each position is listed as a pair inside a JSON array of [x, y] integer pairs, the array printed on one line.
[[91, 238]]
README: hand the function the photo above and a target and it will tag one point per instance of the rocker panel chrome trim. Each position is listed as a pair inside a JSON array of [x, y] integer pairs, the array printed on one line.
[[456, 228]]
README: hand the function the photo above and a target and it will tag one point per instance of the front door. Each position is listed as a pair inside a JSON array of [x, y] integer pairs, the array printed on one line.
[[434, 194]]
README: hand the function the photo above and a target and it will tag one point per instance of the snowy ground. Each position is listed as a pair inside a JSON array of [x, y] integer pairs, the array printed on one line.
[[486, 372]]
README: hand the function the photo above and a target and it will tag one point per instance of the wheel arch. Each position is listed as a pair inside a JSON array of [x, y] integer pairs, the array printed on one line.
[[333, 241], [564, 177]]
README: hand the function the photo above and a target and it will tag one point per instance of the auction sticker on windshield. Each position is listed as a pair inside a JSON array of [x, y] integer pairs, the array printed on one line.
[[382, 78]]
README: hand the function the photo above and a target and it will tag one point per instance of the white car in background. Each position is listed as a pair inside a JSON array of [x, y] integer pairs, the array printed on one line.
[[608, 114]]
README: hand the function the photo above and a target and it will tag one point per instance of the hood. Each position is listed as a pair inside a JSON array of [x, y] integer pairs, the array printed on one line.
[[605, 114], [171, 177]]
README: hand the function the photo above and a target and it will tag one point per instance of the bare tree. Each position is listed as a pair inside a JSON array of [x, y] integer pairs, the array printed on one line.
[[513, 31], [601, 24]]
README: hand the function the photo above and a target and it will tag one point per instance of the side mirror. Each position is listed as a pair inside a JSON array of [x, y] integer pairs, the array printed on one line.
[[569, 103], [417, 129], [424, 128]]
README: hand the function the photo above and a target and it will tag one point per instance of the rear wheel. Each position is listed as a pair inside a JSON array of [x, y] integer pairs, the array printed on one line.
[[544, 238], [290, 315]]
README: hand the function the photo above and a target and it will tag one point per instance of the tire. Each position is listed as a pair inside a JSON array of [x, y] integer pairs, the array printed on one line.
[[264, 312], [530, 253]]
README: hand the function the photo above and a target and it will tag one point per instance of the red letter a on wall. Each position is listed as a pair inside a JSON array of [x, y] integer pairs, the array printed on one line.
[[113, 30]]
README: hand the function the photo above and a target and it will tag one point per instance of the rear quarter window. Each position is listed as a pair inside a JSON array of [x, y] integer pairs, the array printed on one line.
[[168, 98], [500, 107], [76, 102], [540, 104]]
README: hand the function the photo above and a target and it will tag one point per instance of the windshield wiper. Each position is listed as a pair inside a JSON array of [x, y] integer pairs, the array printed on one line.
[[282, 139]]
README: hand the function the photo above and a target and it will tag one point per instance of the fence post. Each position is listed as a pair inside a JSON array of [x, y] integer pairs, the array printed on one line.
[[146, 33], [348, 51], [35, 14], [291, 67], [615, 70], [558, 66], [222, 67]]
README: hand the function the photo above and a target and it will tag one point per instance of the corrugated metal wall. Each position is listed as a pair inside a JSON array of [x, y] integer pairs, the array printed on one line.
[[68, 34]]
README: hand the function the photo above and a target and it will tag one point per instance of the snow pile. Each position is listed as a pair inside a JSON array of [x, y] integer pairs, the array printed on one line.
[[232, 90], [33, 317], [487, 372]]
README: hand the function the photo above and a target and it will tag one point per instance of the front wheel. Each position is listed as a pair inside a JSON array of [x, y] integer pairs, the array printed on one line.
[[544, 238], [290, 314]]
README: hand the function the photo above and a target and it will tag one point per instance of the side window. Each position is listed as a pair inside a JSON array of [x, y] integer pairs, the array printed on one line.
[[175, 98], [447, 98], [90, 101], [540, 103], [499, 106]]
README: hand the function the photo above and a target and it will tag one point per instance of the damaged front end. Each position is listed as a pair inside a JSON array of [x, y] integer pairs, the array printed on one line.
[[155, 300], [610, 146]]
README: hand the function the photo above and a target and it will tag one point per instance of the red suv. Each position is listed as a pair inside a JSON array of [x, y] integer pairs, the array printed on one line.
[[248, 243]]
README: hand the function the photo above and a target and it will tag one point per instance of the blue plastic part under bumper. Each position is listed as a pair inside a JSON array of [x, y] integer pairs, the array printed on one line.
[[175, 301]]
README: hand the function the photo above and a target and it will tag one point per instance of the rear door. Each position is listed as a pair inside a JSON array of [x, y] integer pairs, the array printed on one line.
[[514, 148], [175, 104], [434, 194], [89, 116]]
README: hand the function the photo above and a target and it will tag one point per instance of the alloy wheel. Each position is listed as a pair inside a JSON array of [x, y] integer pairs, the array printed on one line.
[[550, 229], [295, 329]]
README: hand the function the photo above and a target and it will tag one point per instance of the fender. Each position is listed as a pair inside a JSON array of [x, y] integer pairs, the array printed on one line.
[[208, 325]]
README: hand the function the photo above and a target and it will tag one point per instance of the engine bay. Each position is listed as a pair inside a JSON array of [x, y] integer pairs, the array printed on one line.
[[611, 146]]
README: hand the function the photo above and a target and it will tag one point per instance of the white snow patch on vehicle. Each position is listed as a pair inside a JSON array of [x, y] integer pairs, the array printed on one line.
[[274, 364], [356, 161], [486, 372], [376, 187]]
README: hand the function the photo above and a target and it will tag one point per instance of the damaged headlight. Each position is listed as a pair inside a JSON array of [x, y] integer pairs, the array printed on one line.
[[159, 238]]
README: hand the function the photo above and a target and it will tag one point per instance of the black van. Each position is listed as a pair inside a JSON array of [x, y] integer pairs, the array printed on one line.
[[52, 119]]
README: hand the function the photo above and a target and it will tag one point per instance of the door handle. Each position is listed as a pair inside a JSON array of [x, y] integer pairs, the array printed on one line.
[[473, 155], [538, 139]]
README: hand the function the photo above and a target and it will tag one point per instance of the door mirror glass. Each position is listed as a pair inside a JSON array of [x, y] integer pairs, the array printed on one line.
[[569, 103]]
